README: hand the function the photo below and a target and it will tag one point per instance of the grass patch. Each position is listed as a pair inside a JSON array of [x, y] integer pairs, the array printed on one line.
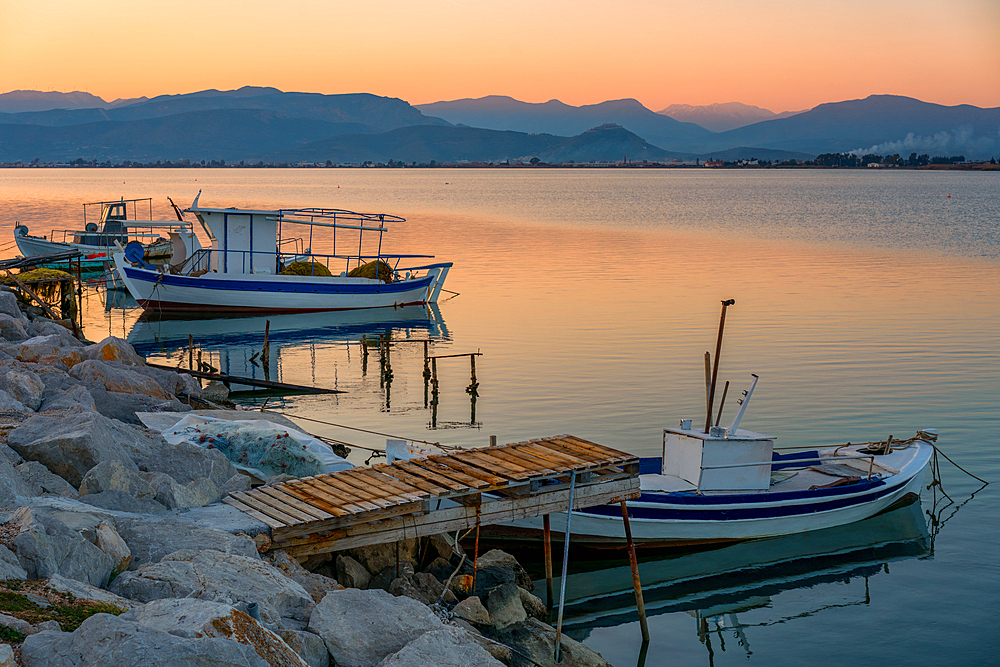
[[66, 610], [10, 601], [10, 635]]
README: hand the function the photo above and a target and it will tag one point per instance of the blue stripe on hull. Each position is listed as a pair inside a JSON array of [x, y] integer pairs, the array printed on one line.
[[222, 284]]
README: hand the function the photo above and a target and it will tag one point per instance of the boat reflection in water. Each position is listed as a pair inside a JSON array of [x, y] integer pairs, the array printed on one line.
[[714, 586], [235, 346]]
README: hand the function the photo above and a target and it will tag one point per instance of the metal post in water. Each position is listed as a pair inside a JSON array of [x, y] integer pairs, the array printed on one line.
[[715, 364], [634, 564], [565, 563]]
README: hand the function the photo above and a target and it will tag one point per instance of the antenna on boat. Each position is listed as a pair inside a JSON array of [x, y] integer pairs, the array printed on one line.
[[715, 365], [743, 404]]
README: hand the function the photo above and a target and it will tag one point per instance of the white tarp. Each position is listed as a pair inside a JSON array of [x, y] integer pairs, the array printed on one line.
[[259, 447]]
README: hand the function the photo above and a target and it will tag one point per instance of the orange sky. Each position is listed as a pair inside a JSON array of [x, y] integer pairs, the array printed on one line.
[[778, 54]]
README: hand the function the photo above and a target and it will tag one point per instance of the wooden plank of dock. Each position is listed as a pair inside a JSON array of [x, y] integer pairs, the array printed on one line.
[[393, 501]]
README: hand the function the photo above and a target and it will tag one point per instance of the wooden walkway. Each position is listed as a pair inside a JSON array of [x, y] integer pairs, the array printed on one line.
[[439, 493]]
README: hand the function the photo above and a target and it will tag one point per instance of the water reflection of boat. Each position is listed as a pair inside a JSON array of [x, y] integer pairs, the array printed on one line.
[[744, 575], [235, 343]]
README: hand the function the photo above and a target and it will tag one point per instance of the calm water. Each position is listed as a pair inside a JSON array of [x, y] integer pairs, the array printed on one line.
[[869, 304]]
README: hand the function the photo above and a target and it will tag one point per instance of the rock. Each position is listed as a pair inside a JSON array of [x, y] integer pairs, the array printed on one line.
[[82, 591], [488, 578], [39, 600], [7, 656], [186, 462], [149, 541], [447, 646], [235, 484], [383, 579], [533, 606], [360, 628], [74, 398], [537, 641], [221, 577], [46, 546], [10, 306], [9, 403], [31, 350], [423, 587], [113, 349], [351, 573], [119, 501], [215, 392], [440, 568], [48, 625], [124, 407], [104, 640], [504, 605], [310, 647], [17, 624], [445, 546], [46, 327], [9, 455], [118, 378], [501, 652], [10, 567], [315, 584], [116, 476], [110, 542], [222, 517], [377, 557], [55, 380], [170, 494], [71, 447], [498, 558], [194, 619], [472, 610], [23, 386], [171, 382], [42, 480], [13, 488], [12, 328]]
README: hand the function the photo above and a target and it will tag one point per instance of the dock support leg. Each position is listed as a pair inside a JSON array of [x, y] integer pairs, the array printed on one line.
[[634, 563], [565, 564], [549, 598]]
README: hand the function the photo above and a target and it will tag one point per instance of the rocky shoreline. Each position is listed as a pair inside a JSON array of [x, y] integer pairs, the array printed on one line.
[[116, 550]]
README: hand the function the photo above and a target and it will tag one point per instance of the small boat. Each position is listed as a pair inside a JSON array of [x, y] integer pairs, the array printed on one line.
[[724, 484], [264, 262], [96, 241]]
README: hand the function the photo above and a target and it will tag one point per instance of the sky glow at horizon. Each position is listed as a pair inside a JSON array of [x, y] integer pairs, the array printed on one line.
[[777, 54]]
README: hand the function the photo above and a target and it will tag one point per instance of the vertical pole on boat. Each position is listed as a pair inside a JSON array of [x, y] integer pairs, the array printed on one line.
[[708, 376], [722, 403], [547, 542], [715, 364], [565, 564], [634, 564]]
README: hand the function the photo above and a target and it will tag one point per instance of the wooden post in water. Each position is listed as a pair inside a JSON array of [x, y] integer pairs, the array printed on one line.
[[636, 585], [266, 354], [547, 545], [427, 374], [191, 352]]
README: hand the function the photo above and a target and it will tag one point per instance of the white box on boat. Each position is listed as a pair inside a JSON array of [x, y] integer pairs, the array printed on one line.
[[740, 461]]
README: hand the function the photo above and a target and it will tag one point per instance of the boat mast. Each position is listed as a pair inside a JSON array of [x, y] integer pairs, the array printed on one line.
[[715, 364]]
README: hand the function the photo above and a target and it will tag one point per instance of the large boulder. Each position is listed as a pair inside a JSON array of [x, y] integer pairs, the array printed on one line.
[[195, 619], [70, 447], [117, 378], [504, 605], [150, 540], [537, 641], [447, 646], [74, 398], [42, 480], [119, 501], [310, 647], [351, 573], [8, 403], [124, 407], [45, 327], [13, 487], [10, 567], [24, 386], [377, 557], [46, 546], [361, 628], [104, 640], [13, 329], [52, 346], [10, 305], [213, 575], [116, 476], [107, 539], [113, 349], [502, 559], [88, 593], [185, 462], [170, 494], [315, 584], [172, 382]]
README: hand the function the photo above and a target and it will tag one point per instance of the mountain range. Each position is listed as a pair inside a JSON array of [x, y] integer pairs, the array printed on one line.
[[722, 117], [254, 124]]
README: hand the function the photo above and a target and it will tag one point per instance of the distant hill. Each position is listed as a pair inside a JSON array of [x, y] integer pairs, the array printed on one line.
[[554, 117], [607, 143], [882, 124], [19, 101], [722, 117]]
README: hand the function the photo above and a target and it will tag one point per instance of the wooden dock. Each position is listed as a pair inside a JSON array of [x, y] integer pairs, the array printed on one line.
[[439, 493]]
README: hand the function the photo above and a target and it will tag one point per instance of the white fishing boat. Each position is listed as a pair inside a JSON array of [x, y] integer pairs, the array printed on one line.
[[264, 261], [96, 241], [721, 484]]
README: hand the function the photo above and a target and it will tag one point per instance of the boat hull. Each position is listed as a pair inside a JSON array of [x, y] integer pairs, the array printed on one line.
[[662, 520], [262, 293]]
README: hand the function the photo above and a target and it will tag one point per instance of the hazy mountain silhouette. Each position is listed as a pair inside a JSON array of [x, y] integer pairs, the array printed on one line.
[[554, 117], [882, 124], [722, 117], [18, 101]]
